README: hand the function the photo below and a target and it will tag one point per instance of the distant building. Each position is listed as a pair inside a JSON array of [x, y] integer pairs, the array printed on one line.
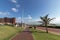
[[7, 20]]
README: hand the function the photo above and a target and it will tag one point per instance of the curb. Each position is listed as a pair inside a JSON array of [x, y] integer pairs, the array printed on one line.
[[14, 36]]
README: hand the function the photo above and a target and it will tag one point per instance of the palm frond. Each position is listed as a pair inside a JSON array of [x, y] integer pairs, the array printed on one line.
[[50, 19], [45, 19], [42, 18]]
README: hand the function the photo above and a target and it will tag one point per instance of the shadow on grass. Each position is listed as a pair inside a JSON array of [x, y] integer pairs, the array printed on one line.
[[37, 32], [34, 31]]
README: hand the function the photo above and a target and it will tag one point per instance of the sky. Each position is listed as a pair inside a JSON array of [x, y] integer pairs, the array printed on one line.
[[30, 10]]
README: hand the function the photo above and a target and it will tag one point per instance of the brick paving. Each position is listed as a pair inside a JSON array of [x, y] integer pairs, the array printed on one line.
[[25, 35]]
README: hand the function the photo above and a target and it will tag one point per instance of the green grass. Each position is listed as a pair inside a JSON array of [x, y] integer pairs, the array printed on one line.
[[6, 32], [39, 35]]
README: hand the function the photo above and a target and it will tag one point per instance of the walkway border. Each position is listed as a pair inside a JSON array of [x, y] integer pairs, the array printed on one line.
[[14, 36]]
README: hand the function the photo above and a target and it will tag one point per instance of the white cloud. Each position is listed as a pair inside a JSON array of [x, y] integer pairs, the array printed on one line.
[[5, 13], [18, 20], [29, 17], [25, 19], [14, 1], [14, 9], [56, 21], [37, 20], [16, 5]]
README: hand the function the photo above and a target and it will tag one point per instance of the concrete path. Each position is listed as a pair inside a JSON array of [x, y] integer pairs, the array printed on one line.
[[51, 30], [25, 35]]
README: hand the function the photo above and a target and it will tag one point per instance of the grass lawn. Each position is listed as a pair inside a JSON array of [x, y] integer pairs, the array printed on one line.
[[6, 32], [39, 35]]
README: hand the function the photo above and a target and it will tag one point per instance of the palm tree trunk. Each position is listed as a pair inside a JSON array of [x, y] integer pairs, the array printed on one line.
[[46, 28]]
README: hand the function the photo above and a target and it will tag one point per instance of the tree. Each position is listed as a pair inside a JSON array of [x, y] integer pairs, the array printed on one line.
[[46, 21]]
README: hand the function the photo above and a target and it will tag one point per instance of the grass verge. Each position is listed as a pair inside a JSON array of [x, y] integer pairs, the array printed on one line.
[[6, 32], [40, 35]]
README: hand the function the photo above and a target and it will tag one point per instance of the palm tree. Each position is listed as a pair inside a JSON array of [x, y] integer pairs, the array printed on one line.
[[46, 21]]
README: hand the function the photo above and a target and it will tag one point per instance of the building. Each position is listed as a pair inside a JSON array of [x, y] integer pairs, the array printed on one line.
[[7, 20]]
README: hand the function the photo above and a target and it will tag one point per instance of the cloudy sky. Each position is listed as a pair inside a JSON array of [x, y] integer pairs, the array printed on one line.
[[30, 9]]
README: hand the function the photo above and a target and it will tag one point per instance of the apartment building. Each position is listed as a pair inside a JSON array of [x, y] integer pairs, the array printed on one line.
[[7, 20]]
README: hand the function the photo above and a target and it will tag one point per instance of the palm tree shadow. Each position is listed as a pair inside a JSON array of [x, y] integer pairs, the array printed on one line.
[[37, 32]]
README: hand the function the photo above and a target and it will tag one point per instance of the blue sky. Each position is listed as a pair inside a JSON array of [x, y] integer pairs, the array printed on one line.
[[31, 9]]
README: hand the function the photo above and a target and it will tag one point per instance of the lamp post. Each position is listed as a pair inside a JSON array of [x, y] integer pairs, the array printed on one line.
[[22, 15]]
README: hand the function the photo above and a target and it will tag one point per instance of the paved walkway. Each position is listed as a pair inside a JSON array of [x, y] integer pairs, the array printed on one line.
[[25, 35], [51, 30]]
